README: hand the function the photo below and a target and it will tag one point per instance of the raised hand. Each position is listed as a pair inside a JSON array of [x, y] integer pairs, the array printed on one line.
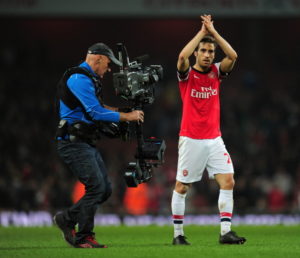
[[208, 23], [203, 27]]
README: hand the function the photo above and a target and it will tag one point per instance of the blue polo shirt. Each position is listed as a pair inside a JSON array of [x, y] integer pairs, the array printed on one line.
[[84, 90]]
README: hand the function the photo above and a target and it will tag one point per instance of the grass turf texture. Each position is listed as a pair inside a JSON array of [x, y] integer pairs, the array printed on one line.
[[153, 241]]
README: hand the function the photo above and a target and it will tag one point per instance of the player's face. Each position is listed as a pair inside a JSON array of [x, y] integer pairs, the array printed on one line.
[[205, 55], [102, 65]]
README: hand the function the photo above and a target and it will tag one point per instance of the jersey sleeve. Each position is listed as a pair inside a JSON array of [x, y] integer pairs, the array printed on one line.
[[183, 76], [83, 89], [222, 75]]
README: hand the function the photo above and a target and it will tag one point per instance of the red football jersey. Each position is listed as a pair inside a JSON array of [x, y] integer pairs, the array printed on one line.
[[201, 104]]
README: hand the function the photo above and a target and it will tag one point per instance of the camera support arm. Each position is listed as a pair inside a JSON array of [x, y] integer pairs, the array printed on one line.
[[135, 83], [140, 142]]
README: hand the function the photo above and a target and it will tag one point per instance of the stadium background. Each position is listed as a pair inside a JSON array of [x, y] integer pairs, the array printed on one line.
[[260, 101]]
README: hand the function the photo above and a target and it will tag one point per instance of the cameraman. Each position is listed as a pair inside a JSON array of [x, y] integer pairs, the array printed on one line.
[[81, 110]]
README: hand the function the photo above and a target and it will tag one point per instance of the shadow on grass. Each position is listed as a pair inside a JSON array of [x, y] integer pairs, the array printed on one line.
[[142, 245], [133, 245], [33, 248]]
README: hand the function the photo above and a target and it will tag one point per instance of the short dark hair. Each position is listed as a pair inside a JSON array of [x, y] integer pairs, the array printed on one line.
[[207, 39]]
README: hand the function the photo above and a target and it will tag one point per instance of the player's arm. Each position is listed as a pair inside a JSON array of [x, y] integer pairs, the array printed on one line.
[[183, 58], [231, 56]]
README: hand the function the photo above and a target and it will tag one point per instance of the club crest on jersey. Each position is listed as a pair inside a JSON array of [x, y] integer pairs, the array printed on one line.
[[185, 172], [212, 75]]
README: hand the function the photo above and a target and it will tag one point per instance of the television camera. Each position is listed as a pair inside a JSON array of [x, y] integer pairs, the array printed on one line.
[[136, 84]]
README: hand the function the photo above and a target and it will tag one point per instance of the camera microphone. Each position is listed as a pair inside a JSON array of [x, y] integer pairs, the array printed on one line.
[[120, 49], [142, 58]]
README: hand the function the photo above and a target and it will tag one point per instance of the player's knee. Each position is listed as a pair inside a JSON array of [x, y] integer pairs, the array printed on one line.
[[228, 183], [225, 181], [181, 187]]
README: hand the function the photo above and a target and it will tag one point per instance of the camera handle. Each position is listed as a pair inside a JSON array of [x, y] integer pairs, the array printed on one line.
[[149, 154], [140, 141]]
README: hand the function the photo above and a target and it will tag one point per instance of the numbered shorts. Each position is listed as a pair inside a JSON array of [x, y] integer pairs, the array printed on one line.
[[197, 155]]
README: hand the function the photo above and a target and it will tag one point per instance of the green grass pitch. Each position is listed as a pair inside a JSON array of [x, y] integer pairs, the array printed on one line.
[[153, 241]]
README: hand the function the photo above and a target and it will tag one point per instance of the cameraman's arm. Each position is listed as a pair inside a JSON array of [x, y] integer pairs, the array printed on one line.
[[183, 58], [83, 89], [119, 109], [111, 108], [136, 115]]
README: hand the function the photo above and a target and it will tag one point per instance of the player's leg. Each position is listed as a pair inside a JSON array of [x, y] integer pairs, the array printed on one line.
[[220, 167], [178, 209], [191, 163], [225, 201]]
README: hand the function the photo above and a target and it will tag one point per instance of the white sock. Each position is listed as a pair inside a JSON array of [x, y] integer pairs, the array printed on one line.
[[225, 204], [178, 207]]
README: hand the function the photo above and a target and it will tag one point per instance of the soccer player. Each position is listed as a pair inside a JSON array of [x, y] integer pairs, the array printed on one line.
[[200, 143]]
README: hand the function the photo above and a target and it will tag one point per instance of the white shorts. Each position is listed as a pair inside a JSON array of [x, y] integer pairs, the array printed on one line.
[[196, 155]]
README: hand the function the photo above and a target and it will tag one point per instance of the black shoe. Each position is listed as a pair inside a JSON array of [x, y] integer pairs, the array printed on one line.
[[232, 238], [68, 232], [180, 240], [89, 242]]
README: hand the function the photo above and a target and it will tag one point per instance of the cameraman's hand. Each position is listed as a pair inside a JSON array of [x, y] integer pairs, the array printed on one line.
[[136, 115]]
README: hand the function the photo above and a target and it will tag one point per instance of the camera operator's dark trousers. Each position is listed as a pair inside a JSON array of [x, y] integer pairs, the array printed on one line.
[[87, 165]]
